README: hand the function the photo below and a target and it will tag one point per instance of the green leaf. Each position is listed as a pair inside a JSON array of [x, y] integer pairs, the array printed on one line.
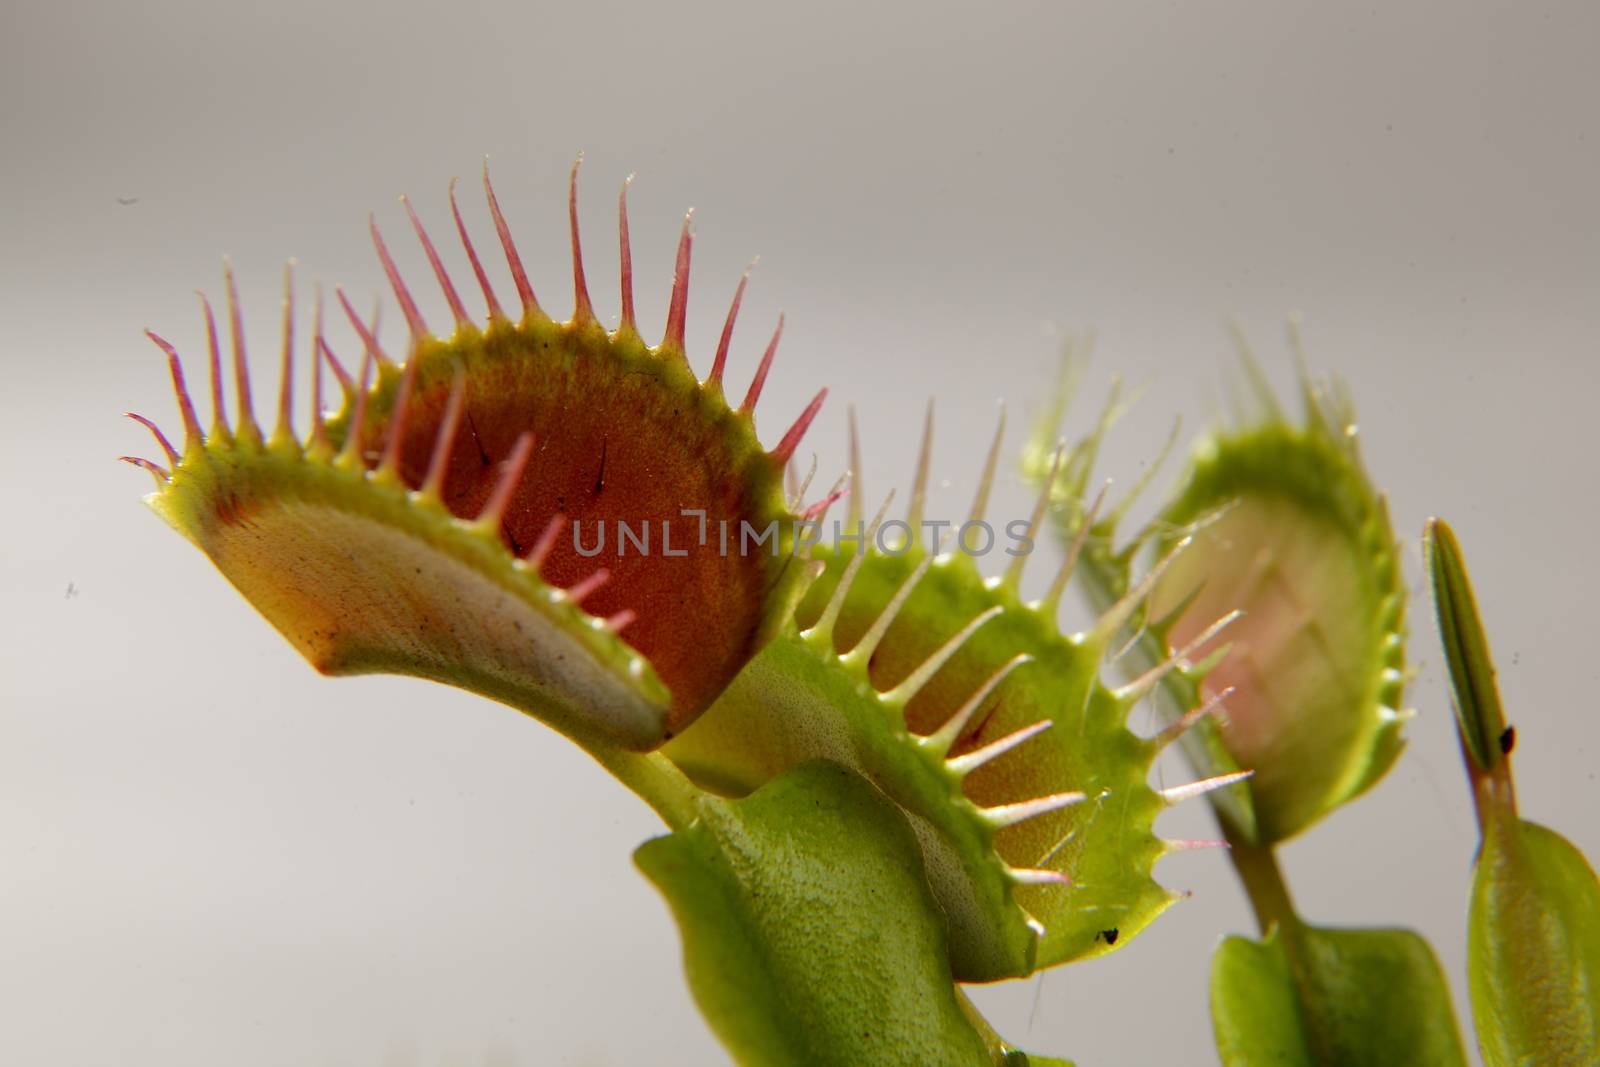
[[1466, 649], [810, 934], [1323, 996], [1533, 948]]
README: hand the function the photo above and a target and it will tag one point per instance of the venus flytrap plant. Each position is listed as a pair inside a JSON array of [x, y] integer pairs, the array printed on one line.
[[421, 528], [884, 772]]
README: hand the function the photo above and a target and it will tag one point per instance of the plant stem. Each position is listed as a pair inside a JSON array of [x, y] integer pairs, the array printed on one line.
[[1263, 882], [655, 779]]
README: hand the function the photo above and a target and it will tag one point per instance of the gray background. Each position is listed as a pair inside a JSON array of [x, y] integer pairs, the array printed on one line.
[[210, 854]]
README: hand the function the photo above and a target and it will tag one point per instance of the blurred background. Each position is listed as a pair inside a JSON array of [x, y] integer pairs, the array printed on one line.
[[210, 854]]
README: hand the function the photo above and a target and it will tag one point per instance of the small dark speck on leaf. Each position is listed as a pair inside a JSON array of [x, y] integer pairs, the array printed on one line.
[[1508, 740], [1109, 936]]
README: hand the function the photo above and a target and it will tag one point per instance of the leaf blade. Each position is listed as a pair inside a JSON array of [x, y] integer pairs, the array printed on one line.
[[1320, 995], [810, 935], [1533, 948]]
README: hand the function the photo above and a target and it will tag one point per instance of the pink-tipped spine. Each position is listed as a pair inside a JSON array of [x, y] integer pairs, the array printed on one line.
[[494, 511], [161, 438], [582, 309], [582, 588], [369, 336], [791, 440], [444, 444], [489, 298], [319, 351], [720, 364], [241, 362], [389, 465], [820, 508], [451, 297], [678, 307], [219, 408], [352, 455], [760, 379], [158, 472], [626, 243], [408, 306], [346, 382], [547, 541], [193, 437], [285, 428], [519, 276]]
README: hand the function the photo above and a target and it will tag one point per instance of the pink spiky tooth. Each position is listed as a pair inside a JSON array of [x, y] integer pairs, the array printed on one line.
[[545, 542], [317, 442], [369, 335], [519, 275], [457, 310], [760, 380], [445, 440], [720, 363], [341, 374], [820, 509], [156, 471], [621, 620], [678, 306], [493, 302], [219, 410], [625, 272], [797, 432], [494, 510], [247, 429], [193, 436], [389, 465], [161, 438], [352, 457], [579, 590], [283, 433], [583, 308], [408, 304]]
